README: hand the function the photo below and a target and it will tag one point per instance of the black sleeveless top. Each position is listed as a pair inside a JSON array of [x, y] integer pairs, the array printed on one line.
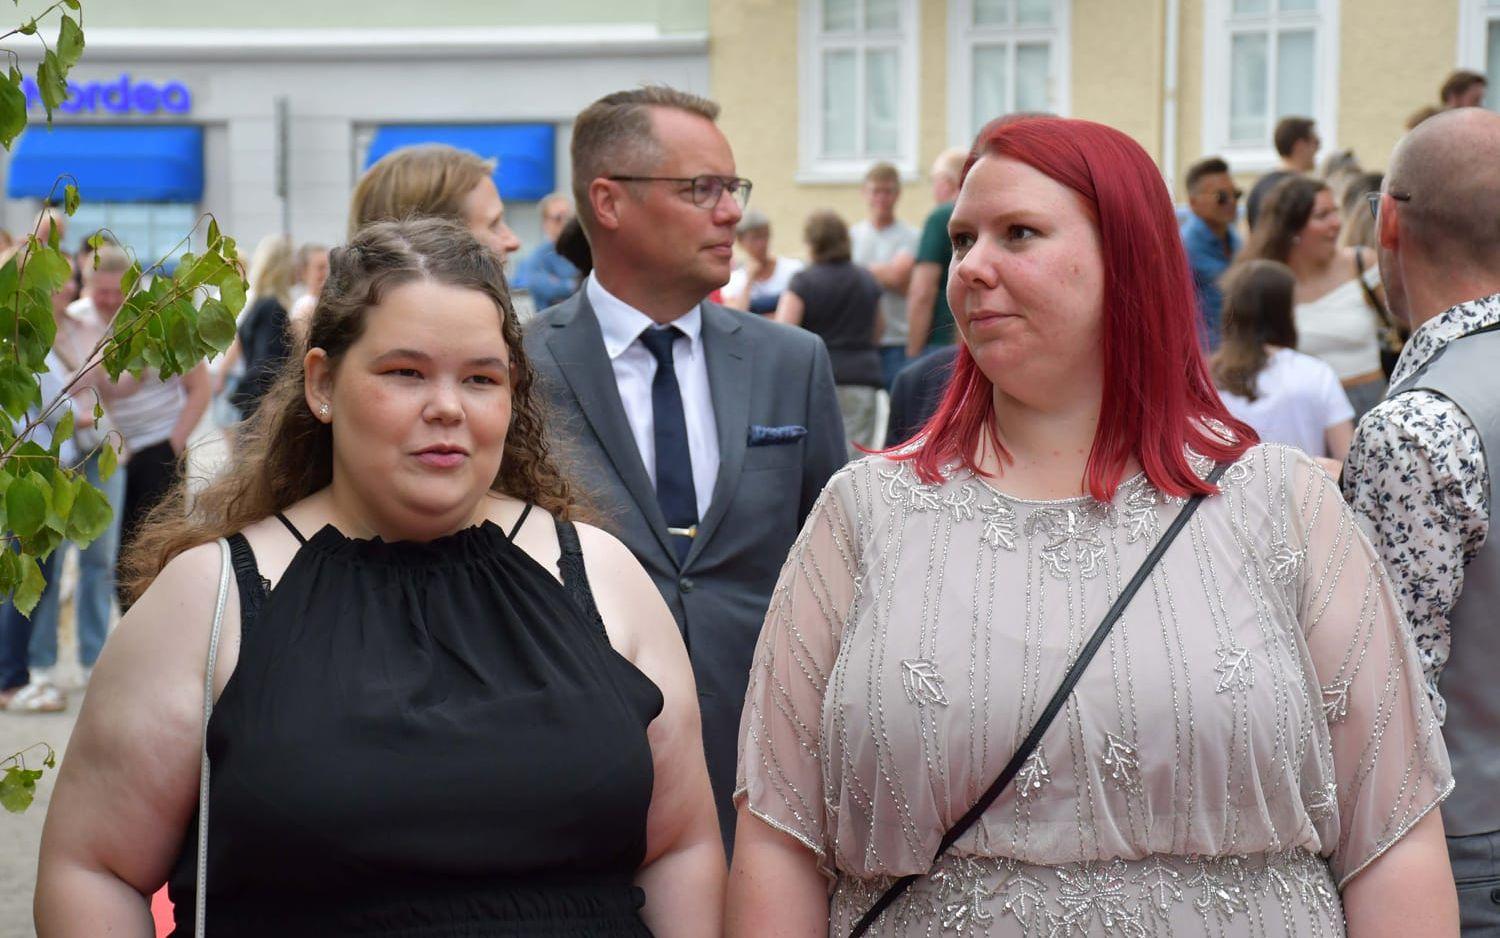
[[423, 740]]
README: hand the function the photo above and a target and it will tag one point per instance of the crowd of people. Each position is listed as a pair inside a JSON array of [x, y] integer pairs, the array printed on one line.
[[632, 619]]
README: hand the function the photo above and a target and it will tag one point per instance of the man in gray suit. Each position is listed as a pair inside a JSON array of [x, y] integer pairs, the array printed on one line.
[[703, 433]]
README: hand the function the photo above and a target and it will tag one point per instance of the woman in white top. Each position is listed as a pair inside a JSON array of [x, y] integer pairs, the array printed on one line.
[[1299, 226], [1288, 397], [757, 286]]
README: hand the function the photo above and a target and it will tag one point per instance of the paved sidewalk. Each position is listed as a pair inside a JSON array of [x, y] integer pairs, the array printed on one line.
[[21, 834]]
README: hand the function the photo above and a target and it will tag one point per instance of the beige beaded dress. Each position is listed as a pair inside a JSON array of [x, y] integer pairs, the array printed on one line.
[[1252, 734]]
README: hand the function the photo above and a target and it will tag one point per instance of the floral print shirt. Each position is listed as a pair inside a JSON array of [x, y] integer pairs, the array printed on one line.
[[1415, 476]]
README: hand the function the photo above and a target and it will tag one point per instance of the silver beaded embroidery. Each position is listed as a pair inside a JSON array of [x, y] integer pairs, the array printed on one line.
[[1033, 774], [1235, 669], [922, 682], [999, 528]]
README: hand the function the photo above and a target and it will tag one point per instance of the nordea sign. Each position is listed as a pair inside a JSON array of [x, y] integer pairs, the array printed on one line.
[[121, 96]]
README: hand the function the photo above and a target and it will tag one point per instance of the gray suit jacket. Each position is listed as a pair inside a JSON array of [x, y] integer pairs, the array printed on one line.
[[761, 374]]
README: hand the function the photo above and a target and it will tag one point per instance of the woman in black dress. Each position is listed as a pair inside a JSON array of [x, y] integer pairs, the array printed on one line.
[[441, 711]]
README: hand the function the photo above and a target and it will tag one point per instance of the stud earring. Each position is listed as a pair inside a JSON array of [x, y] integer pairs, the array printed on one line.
[[323, 411]]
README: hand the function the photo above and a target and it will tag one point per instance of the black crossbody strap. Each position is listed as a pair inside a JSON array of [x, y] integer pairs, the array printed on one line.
[[1054, 706]]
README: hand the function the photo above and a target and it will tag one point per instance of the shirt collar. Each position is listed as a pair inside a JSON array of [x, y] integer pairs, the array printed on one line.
[[1435, 334], [621, 323], [1196, 227]]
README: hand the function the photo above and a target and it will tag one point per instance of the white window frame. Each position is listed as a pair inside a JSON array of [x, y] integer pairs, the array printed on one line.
[[1219, 29], [1474, 19], [811, 43], [963, 37]]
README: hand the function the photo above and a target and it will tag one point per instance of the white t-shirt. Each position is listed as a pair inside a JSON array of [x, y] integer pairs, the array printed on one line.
[[1299, 398], [873, 245], [768, 291]]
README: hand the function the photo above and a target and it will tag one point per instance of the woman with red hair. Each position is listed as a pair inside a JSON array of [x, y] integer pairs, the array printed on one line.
[[1250, 752]]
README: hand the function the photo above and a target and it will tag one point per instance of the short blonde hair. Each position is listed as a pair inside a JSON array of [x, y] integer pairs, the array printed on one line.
[[431, 179], [950, 163], [110, 259]]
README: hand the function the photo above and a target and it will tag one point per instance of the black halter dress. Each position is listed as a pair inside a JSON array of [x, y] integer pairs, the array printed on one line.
[[424, 740]]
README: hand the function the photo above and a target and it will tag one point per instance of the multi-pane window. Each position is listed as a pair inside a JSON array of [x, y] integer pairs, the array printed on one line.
[[1479, 38], [1007, 56], [859, 81], [1267, 59]]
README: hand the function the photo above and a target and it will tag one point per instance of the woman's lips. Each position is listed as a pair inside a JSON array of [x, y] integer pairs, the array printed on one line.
[[441, 459]]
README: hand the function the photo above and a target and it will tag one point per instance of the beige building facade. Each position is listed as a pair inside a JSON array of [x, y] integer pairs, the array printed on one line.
[[814, 91]]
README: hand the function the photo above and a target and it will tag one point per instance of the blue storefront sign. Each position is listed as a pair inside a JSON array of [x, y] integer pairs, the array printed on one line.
[[120, 96]]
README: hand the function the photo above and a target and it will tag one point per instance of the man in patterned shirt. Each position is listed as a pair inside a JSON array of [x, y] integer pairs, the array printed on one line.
[[1417, 471]]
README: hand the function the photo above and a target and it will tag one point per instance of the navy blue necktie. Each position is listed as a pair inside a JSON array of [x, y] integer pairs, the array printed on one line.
[[674, 462]]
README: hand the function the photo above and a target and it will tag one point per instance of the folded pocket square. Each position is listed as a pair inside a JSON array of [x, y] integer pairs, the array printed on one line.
[[772, 436]]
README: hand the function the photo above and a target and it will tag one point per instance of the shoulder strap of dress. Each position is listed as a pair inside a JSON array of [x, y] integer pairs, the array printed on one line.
[[291, 527], [253, 587], [525, 512], [574, 575]]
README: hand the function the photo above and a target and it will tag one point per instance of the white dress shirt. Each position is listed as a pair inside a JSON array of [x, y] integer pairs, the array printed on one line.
[[635, 369]]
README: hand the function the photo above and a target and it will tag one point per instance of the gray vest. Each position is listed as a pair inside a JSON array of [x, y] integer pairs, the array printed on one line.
[[1467, 372]]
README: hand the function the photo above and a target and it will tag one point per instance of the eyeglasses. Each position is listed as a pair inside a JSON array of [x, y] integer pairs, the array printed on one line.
[[707, 190], [559, 217], [1372, 199], [1224, 198]]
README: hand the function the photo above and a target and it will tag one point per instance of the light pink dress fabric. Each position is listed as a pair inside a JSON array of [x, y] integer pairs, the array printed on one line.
[[1250, 737]]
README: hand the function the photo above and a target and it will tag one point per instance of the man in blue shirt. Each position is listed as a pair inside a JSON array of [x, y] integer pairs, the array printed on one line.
[[1209, 237], [546, 274]]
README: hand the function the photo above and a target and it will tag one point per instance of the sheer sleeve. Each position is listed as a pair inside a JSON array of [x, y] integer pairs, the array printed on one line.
[[1390, 767], [782, 756]]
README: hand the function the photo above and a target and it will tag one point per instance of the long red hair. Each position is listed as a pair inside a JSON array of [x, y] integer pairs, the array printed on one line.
[[1158, 397]]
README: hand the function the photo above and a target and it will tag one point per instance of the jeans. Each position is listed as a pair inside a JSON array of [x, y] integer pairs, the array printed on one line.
[[892, 360], [1476, 871], [858, 405], [15, 635], [94, 601]]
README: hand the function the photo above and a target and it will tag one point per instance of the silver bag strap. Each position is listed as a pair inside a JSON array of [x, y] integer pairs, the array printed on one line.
[[200, 910]]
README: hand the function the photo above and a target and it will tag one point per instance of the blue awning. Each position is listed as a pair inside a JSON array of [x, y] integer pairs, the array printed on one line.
[[111, 164], [525, 153]]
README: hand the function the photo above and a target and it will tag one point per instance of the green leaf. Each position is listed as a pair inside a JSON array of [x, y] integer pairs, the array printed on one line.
[[29, 592], [69, 44], [214, 237], [50, 81], [90, 516], [64, 429], [108, 460], [232, 290], [18, 788], [130, 278], [25, 507], [19, 388], [216, 324], [64, 494], [28, 28], [98, 410], [12, 112], [70, 198]]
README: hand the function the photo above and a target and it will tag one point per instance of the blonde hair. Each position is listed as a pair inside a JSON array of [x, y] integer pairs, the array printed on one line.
[[271, 270], [950, 163], [431, 179], [110, 259]]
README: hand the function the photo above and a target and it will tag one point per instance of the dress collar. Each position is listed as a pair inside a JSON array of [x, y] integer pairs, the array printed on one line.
[[621, 323], [1434, 334]]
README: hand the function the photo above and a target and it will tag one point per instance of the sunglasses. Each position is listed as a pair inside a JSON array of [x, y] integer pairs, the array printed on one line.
[[1225, 198]]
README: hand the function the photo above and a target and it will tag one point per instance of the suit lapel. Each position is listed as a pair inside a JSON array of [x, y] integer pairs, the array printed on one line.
[[577, 346], [728, 357]]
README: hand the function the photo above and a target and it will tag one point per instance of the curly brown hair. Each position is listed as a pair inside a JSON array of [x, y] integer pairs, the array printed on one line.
[[284, 453]]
